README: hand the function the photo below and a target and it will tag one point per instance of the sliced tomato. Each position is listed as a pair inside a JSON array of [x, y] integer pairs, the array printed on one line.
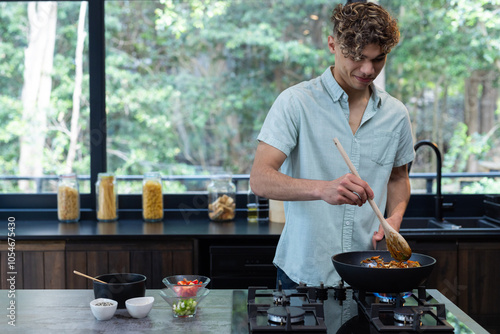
[[187, 288]]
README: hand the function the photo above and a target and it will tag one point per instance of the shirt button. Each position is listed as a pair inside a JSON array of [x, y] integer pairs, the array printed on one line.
[[348, 223]]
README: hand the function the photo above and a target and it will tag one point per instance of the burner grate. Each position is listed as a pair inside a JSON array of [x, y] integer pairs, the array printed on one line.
[[412, 314], [282, 314], [261, 301]]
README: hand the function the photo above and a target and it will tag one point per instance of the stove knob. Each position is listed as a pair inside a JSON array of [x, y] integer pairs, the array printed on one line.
[[322, 292], [340, 292], [302, 287]]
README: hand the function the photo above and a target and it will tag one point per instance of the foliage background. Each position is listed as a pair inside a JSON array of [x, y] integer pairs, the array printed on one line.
[[189, 83]]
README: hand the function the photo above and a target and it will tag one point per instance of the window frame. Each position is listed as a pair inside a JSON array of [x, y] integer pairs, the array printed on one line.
[[34, 207], [43, 203]]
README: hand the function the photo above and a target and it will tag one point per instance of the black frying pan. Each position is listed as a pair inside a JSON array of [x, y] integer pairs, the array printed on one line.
[[364, 278]]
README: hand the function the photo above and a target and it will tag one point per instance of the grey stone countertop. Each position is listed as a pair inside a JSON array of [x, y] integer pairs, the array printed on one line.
[[68, 311]]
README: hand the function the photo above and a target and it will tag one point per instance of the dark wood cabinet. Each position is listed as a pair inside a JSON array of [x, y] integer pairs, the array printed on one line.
[[478, 277], [237, 263], [37, 265], [50, 264], [237, 267], [155, 260], [444, 276], [467, 273]]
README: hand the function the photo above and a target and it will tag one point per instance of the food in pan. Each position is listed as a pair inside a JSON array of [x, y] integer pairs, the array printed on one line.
[[378, 262]]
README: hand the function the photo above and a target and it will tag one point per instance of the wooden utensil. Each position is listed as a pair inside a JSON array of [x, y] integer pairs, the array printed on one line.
[[89, 277], [396, 244]]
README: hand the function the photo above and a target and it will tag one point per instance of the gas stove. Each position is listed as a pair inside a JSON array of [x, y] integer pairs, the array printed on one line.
[[295, 311], [411, 312], [338, 310]]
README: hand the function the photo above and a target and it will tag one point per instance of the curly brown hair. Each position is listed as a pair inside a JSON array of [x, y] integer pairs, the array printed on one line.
[[358, 24]]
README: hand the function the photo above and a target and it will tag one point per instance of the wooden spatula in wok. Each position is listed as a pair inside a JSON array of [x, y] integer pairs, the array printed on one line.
[[396, 244]]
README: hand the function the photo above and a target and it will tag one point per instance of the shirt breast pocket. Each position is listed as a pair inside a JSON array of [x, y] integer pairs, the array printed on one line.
[[384, 147]]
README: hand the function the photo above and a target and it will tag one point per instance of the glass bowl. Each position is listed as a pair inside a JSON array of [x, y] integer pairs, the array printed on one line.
[[183, 307], [179, 284]]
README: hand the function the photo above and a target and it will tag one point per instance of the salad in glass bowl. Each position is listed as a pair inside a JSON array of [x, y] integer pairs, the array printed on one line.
[[186, 285], [184, 306]]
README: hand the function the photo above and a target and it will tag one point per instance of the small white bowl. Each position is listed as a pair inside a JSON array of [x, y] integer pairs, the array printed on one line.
[[103, 312], [139, 307]]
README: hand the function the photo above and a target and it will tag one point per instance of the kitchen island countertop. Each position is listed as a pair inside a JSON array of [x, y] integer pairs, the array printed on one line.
[[68, 311]]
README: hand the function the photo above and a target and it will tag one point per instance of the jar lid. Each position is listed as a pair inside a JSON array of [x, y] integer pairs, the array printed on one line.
[[106, 176], [68, 175], [221, 176], [152, 174]]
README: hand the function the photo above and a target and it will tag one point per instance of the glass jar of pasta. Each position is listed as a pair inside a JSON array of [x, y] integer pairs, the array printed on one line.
[[68, 198], [152, 197], [221, 198], [107, 197]]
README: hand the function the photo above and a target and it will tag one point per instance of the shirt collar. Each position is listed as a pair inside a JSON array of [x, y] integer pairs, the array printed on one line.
[[377, 100], [336, 92], [332, 86]]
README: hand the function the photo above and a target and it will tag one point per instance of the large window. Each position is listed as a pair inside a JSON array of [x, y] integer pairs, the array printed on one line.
[[182, 87], [188, 88], [44, 94]]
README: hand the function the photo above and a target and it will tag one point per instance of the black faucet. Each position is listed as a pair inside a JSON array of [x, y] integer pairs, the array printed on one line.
[[439, 196]]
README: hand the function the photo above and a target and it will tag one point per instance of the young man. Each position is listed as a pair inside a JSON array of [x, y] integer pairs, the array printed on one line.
[[296, 160]]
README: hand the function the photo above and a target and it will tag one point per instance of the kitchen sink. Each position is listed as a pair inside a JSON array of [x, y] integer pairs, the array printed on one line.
[[455, 223], [419, 223], [471, 223]]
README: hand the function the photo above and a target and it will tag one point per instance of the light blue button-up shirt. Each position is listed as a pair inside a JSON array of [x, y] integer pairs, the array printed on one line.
[[302, 123]]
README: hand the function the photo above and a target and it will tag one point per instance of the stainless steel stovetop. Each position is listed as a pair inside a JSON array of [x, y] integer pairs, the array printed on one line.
[[323, 310]]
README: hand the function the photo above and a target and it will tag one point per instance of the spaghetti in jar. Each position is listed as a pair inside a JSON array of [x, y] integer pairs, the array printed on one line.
[[107, 197]]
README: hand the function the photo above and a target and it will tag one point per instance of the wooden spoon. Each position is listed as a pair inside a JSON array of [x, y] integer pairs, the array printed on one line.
[[89, 277], [396, 244]]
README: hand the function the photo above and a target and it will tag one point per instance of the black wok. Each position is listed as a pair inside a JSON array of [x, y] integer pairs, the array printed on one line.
[[364, 278]]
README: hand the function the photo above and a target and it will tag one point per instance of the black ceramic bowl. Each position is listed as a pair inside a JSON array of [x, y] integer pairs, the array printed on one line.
[[120, 287]]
